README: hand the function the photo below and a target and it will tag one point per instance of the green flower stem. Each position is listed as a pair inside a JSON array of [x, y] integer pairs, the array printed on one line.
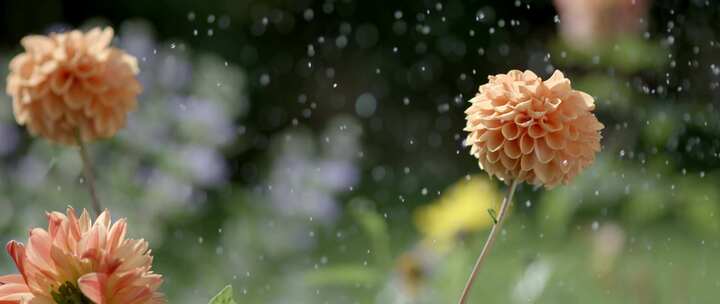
[[89, 175], [490, 241]]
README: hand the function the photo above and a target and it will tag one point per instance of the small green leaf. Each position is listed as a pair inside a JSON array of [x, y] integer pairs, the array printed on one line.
[[492, 214], [225, 296]]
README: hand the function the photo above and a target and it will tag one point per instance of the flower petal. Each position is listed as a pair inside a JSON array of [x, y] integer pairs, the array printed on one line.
[[510, 131], [93, 286], [512, 149], [543, 153], [555, 141], [527, 144], [17, 254]]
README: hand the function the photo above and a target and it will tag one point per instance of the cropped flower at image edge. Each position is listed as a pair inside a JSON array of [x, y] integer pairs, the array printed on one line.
[[77, 261]]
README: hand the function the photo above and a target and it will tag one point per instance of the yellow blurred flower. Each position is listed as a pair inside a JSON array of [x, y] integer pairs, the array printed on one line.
[[462, 208]]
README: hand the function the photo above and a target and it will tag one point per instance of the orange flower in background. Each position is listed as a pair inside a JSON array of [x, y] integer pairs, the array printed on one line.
[[585, 22], [526, 129], [71, 83], [77, 261]]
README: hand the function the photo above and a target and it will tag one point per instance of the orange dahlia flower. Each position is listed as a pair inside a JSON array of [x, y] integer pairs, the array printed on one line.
[[526, 129], [76, 261], [73, 82]]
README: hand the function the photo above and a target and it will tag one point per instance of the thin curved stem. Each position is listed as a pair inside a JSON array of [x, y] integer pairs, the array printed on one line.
[[89, 175], [490, 241]]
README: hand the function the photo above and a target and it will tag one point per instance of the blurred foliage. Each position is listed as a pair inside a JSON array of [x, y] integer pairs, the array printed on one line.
[[625, 54], [225, 296]]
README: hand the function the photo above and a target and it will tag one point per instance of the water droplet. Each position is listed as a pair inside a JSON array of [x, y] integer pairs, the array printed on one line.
[[309, 14], [264, 79]]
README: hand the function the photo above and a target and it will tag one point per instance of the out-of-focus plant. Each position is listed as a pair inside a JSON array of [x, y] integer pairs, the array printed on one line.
[[163, 163], [661, 143], [294, 208], [587, 23], [532, 283], [465, 207], [307, 172], [225, 296], [608, 243], [169, 155], [376, 231], [72, 88]]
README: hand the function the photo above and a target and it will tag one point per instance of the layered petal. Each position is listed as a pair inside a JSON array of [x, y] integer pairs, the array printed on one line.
[[78, 257], [523, 128]]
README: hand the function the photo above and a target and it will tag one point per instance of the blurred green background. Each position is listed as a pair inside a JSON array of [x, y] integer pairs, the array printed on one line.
[[312, 151]]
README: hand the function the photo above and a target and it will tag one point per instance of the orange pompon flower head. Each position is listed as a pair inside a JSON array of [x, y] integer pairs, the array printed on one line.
[[77, 261], [73, 82], [526, 129]]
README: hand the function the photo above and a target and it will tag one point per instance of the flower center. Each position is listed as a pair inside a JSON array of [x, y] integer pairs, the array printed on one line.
[[68, 293]]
